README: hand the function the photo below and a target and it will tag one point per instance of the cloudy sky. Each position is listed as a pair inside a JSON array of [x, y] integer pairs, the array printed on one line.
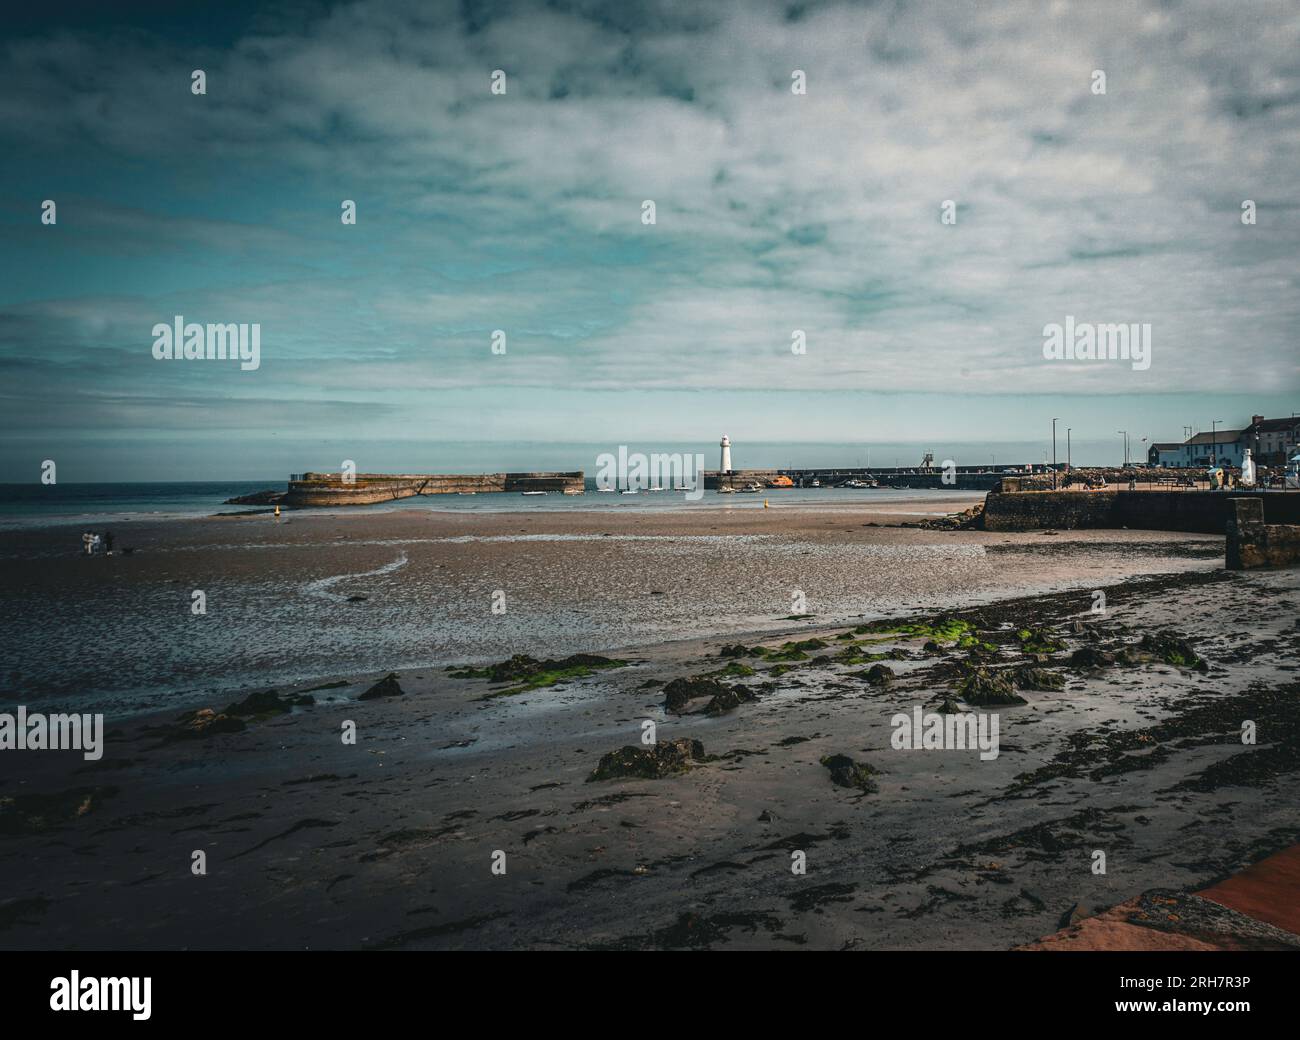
[[775, 211]]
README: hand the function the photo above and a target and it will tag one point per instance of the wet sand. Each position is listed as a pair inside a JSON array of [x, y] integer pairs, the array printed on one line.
[[390, 843], [323, 595]]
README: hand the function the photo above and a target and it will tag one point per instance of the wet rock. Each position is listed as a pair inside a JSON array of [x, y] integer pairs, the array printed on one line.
[[388, 686], [847, 773], [767, 816], [931, 647], [649, 763], [265, 703], [948, 706], [739, 650], [879, 675], [985, 687], [1172, 648], [1031, 677], [1039, 641], [1091, 657], [729, 699], [530, 673], [680, 692], [1131, 657]]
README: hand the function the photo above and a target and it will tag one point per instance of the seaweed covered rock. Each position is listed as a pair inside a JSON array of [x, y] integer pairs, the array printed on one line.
[[266, 703], [680, 692], [1091, 657], [740, 650], [878, 675], [1039, 641], [948, 706], [528, 673], [984, 687], [388, 686], [522, 667], [1031, 677], [730, 698], [847, 773], [1174, 649], [648, 763]]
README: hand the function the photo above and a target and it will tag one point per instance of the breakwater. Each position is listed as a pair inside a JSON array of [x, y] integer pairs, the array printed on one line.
[[1205, 512], [331, 489], [968, 479]]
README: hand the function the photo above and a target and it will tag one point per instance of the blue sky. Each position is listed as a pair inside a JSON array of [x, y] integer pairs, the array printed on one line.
[[522, 212]]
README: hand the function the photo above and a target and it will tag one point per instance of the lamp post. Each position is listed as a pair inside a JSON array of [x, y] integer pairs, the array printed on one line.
[[1054, 421], [1068, 464], [1214, 441], [1124, 433]]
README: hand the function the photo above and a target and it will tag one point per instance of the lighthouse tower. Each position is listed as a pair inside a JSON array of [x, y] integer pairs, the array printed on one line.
[[726, 454]]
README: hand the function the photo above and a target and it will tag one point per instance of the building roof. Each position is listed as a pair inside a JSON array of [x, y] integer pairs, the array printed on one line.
[[1162, 446], [1221, 437], [1269, 425]]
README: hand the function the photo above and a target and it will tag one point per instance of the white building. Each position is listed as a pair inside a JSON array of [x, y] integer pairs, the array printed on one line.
[[725, 466]]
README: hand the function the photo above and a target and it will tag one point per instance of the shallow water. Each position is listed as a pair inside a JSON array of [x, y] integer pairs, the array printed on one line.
[[117, 634]]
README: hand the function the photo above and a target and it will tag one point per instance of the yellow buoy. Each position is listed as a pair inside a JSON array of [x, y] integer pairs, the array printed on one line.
[[764, 503]]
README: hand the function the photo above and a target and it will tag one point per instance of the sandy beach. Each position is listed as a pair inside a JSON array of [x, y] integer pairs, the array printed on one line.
[[391, 841]]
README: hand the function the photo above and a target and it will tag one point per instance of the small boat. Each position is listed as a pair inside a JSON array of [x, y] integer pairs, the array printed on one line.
[[727, 490], [628, 491], [607, 490], [751, 489], [575, 491], [532, 492], [655, 488], [681, 487]]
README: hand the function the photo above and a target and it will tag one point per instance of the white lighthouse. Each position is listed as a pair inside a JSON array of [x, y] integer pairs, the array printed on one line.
[[726, 454]]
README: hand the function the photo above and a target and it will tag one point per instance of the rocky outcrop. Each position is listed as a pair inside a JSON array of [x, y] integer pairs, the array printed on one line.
[[680, 694], [847, 773], [649, 763], [985, 687]]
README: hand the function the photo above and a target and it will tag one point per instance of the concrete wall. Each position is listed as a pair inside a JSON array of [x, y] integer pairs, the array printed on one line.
[[1206, 512], [1252, 543], [329, 489]]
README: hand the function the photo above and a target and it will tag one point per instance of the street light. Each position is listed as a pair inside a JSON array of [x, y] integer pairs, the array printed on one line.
[[1054, 421], [1068, 464], [1125, 435], [1214, 441]]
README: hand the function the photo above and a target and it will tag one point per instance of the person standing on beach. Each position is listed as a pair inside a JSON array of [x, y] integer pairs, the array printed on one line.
[[94, 544], [85, 541], [108, 543]]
